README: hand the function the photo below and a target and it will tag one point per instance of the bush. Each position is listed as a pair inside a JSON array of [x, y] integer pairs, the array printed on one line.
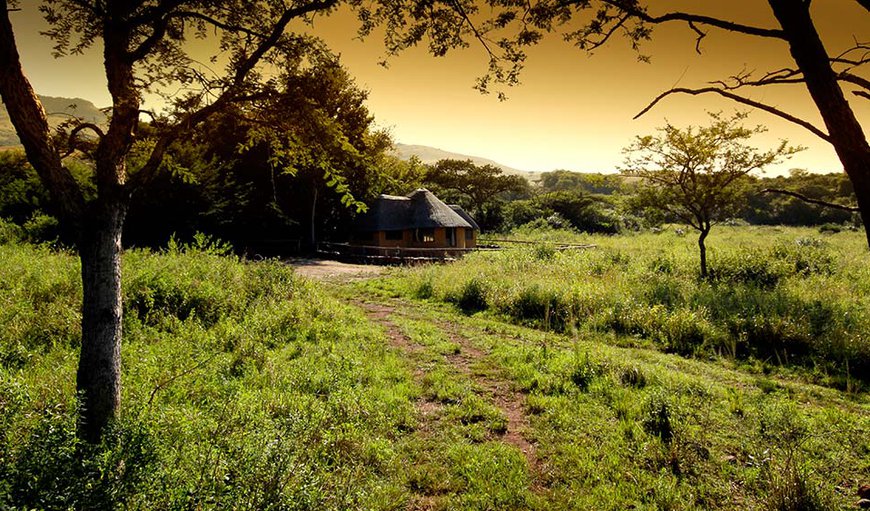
[[55, 470], [10, 232], [657, 416], [40, 228], [472, 297]]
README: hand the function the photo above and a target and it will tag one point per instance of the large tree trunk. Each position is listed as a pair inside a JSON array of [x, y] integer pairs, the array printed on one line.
[[99, 371], [846, 134]]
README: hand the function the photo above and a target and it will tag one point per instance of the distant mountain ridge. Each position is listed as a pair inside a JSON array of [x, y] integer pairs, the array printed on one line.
[[433, 154], [58, 110]]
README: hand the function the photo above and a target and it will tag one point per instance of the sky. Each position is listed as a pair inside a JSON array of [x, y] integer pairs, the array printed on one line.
[[572, 111]]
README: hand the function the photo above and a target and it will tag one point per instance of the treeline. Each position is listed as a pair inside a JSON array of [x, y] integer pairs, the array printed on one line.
[[232, 181], [608, 203]]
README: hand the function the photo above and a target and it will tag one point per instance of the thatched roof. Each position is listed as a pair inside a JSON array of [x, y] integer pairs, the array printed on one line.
[[465, 216], [419, 210]]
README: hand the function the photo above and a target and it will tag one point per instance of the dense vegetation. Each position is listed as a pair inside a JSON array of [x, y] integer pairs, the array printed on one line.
[[245, 387], [249, 387]]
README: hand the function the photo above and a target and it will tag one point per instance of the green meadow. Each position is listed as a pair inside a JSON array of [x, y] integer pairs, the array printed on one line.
[[527, 378]]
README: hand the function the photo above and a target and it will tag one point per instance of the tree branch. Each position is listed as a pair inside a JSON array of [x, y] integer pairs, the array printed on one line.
[[697, 19], [229, 94], [818, 202], [740, 99], [31, 125], [71, 139], [854, 79]]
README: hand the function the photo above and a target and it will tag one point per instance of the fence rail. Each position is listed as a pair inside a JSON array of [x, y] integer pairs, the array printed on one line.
[[555, 244], [391, 255]]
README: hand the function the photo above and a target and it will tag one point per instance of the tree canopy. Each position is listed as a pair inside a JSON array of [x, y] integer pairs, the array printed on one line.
[[145, 51], [693, 173]]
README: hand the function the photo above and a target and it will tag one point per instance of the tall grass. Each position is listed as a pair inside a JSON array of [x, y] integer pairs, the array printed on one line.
[[775, 297], [244, 387]]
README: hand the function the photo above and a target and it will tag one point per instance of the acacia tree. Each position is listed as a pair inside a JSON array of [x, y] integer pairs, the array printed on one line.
[[509, 27], [143, 44], [475, 187], [694, 174]]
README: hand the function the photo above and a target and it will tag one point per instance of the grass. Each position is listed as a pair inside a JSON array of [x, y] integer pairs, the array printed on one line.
[[619, 428], [248, 387], [790, 300], [244, 387]]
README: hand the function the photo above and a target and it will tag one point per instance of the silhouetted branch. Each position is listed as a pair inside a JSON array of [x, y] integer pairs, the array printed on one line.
[[817, 202], [699, 20], [71, 139], [740, 99]]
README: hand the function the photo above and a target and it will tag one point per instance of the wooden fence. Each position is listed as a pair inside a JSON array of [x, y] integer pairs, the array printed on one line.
[[389, 255]]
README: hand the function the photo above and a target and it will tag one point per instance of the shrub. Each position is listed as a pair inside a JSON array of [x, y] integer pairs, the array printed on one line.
[[472, 297], [537, 306], [747, 267], [41, 228], [632, 376], [583, 372], [424, 289], [55, 470], [790, 489], [10, 232], [807, 256], [657, 416]]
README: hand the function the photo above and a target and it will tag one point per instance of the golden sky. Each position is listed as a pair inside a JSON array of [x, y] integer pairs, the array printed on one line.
[[572, 111]]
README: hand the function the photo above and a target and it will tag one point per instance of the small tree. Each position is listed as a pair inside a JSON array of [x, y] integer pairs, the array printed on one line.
[[693, 174]]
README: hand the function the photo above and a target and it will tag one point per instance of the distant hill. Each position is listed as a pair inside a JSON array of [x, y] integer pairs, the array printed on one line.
[[58, 110], [431, 155]]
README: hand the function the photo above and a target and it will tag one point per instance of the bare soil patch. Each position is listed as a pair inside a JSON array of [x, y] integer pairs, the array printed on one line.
[[324, 269]]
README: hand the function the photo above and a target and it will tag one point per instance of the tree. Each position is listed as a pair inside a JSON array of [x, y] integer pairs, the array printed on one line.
[[511, 27], [475, 187], [693, 174], [143, 49]]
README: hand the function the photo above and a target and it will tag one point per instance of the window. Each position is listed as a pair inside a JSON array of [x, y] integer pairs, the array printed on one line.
[[424, 235], [394, 235]]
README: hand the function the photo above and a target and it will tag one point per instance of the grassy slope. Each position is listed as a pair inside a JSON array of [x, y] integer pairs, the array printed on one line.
[[247, 387]]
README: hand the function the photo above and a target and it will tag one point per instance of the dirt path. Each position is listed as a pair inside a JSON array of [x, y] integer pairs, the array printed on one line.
[[324, 269], [509, 401], [498, 391]]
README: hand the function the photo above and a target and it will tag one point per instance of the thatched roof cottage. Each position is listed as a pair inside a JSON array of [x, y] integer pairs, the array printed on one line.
[[420, 220]]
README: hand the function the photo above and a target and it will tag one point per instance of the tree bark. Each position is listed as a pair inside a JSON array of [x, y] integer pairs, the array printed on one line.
[[702, 247], [99, 372], [846, 133]]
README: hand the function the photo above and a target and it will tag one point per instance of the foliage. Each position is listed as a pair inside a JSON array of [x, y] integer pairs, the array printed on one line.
[[284, 397], [480, 189], [247, 388], [618, 427], [694, 174]]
